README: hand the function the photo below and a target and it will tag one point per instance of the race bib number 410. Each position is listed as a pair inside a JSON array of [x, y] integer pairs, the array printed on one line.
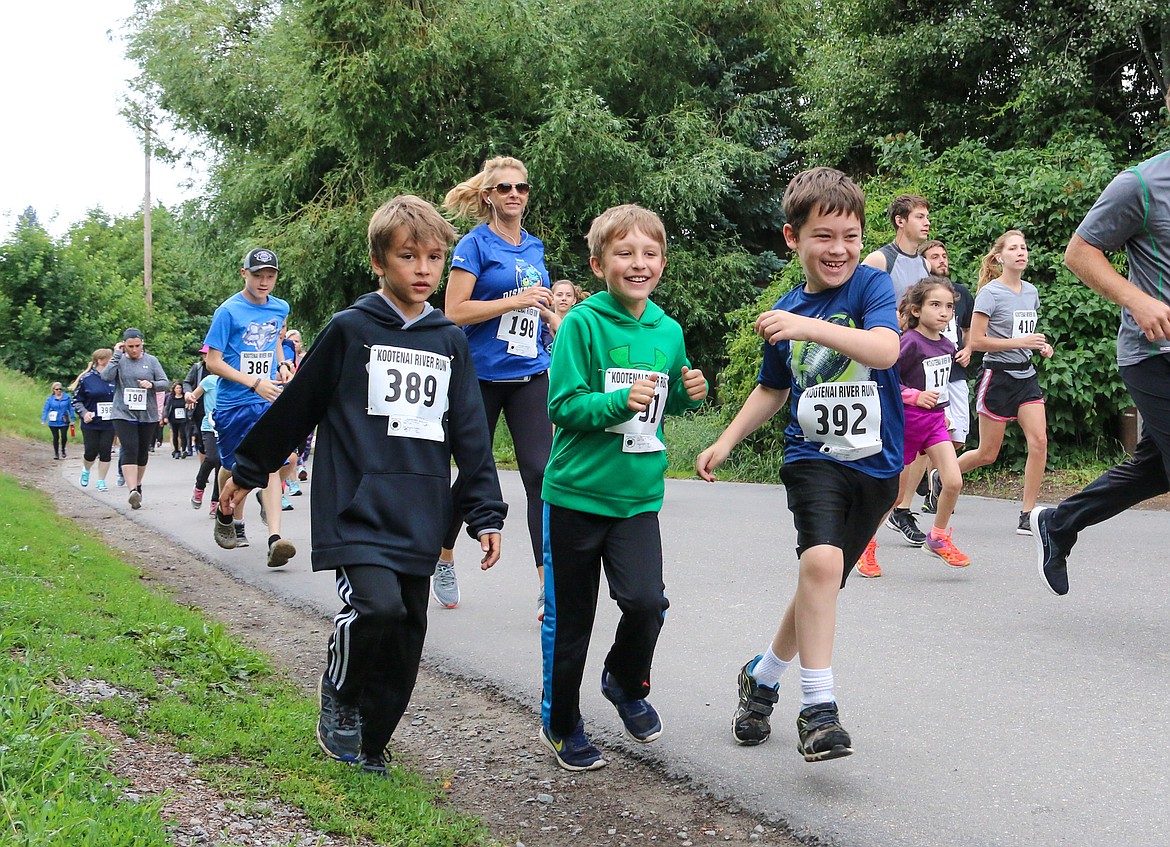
[[1023, 322], [410, 388]]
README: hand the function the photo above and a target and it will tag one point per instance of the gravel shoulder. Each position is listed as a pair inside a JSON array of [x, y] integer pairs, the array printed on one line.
[[480, 746]]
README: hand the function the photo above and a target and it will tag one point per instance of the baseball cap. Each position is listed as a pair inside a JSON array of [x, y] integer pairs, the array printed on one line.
[[261, 257], [203, 349], [132, 332]]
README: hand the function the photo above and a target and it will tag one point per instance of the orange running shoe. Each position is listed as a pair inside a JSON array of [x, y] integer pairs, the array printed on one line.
[[867, 565], [945, 549]]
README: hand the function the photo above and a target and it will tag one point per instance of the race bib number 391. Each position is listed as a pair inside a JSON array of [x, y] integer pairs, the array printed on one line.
[[410, 388], [639, 433]]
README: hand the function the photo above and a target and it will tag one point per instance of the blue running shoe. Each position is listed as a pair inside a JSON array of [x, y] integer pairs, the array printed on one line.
[[574, 752], [101, 485], [84, 478], [638, 717]]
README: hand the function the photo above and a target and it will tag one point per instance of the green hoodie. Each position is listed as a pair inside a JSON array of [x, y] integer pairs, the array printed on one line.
[[588, 471]]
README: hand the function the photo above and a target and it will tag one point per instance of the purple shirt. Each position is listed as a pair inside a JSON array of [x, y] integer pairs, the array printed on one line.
[[925, 365]]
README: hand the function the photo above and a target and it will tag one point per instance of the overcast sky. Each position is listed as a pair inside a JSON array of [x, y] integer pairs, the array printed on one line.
[[64, 149]]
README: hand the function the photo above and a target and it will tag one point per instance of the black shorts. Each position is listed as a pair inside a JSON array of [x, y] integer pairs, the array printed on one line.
[[999, 395], [834, 504]]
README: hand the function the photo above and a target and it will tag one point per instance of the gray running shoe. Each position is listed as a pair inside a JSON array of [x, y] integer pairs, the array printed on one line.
[[444, 585], [241, 538], [225, 533], [1024, 527], [902, 520], [135, 499], [375, 763], [263, 512], [540, 605], [821, 735], [752, 723], [279, 552], [339, 728]]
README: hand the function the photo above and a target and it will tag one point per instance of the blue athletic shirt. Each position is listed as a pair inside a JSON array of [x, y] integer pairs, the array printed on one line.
[[210, 386], [500, 269], [242, 327], [865, 301]]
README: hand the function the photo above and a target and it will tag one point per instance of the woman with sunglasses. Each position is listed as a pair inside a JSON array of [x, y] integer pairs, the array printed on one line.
[[57, 416], [498, 292]]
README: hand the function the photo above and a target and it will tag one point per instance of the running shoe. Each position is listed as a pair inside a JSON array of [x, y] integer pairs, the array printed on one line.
[[294, 488], [1051, 558], [241, 537], [639, 718], [339, 727], [574, 752], [752, 723], [945, 549], [214, 508], [101, 485], [934, 488], [444, 585], [196, 498], [225, 533], [1025, 525], [285, 506], [121, 479], [375, 763], [263, 512], [867, 565], [821, 735], [135, 499], [902, 520], [302, 475], [84, 479], [540, 604], [279, 552]]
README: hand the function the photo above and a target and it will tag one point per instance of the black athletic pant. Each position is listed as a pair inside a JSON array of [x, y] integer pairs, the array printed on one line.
[[136, 439], [630, 551], [376, 646], [525, 408], [179, 436], [60, 439], [209, 466], [98, 443], [1144, 476]]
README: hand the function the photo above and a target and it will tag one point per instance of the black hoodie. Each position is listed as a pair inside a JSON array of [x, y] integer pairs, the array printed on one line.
[[377, 499]]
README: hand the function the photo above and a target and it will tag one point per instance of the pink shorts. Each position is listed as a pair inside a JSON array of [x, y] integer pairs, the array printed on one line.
[[924, 428]]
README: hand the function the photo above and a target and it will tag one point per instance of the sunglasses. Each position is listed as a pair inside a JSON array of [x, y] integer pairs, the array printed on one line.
[[506, 187], [58, 389]]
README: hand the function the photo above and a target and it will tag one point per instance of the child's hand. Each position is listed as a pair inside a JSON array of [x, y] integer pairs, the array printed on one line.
[[232, 497], [707, 461], [489, 542], [927, 399], [641, 393], [694, 382], [963, 357], [778, 325]]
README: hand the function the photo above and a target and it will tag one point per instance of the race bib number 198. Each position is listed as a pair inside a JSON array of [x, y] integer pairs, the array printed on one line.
[[518, 329], [410, 388]]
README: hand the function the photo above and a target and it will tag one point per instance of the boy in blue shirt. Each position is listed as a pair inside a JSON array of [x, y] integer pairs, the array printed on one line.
[[832, 346]]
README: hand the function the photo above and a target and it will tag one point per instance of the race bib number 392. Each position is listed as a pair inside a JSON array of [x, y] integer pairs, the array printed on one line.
[[410, 388]]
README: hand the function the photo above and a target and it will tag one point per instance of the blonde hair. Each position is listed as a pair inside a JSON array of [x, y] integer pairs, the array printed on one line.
[[97, 355], [618, 221], [422, 222], [466, 199], [990, 267], [579, 293]]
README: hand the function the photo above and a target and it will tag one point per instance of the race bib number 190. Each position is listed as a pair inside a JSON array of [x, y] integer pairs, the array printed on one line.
[[135, 399], [410, 388]]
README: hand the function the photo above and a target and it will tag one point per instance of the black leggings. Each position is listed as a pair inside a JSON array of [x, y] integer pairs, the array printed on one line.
[[525, 408], [209, 467], [136, 439], [179, 436], [98, 443], [60, 438]]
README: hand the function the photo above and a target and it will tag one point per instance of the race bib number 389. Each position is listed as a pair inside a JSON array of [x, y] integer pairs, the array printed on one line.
[[410, 388]]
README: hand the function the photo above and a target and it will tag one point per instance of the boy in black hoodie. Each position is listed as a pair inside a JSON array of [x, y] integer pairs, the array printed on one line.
[[390, 387]]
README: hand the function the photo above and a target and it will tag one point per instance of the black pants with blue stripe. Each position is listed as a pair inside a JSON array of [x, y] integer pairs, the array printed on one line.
[[629, 550]]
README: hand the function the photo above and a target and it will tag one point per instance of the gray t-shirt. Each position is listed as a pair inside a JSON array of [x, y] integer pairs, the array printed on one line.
[[131, 401], [1009, 315], [1134, 212]]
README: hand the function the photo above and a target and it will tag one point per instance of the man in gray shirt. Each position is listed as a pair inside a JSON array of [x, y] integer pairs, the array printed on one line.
[[1133, 212]]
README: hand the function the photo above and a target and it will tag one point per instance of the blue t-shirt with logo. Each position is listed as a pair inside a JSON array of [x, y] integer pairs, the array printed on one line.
[[500, 270], [866, 301], [247, 335]]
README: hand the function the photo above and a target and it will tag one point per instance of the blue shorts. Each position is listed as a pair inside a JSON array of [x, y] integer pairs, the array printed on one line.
[[232, 425]]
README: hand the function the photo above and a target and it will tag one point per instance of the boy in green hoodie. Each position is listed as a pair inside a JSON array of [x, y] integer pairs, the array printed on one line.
[[618, 366]]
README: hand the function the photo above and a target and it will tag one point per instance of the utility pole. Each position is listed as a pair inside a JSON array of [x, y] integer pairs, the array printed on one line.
[[147, 259]]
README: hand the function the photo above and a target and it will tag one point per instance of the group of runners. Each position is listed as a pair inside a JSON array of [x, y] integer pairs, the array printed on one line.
[[868, 355]]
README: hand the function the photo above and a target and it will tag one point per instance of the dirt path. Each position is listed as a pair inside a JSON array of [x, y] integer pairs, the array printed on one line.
[[481, 746]]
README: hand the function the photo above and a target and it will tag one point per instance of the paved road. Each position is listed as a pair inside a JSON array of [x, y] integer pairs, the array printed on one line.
[[984, 711]]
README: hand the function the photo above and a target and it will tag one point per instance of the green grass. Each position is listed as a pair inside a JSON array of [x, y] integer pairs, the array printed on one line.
[[71, 610], [21, 402]]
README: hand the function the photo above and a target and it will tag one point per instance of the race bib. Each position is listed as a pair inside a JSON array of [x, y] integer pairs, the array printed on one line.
[[844, 418], [105, 411], [135, 399], [1023, 322], [256, 363], [410, 388], [639, 433], [53, 415], [180, 414], [936, 372], [518, 329], [951, 332]]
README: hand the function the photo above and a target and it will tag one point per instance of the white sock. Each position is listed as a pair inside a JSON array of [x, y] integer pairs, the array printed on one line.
[[816, 685], [769, 669]]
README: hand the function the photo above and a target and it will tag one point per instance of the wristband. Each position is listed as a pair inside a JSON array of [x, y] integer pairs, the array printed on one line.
[[256, 384]]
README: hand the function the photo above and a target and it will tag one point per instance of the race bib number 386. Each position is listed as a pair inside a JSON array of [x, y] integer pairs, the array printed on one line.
[[410, 388]]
